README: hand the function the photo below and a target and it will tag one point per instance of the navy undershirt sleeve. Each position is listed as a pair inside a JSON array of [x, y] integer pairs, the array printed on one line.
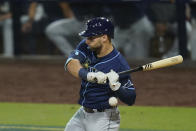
[[83, 73], [126, 93], [79, 53]]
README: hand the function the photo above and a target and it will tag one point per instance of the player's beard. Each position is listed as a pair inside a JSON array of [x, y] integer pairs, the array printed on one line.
[[96, 48]]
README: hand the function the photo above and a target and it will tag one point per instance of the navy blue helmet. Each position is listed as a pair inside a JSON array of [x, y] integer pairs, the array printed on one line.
[[98, 26]]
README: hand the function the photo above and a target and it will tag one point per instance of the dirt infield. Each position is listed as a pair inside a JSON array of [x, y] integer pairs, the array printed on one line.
[[22, 81]]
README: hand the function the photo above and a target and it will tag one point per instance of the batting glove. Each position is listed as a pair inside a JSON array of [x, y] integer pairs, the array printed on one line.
[[97, 77], [113, 80]]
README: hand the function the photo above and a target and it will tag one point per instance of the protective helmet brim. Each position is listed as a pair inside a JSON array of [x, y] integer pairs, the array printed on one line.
[[86, 33]]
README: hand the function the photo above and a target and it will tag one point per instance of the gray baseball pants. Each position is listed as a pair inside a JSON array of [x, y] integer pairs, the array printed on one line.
[[109, 120], [59, 32]]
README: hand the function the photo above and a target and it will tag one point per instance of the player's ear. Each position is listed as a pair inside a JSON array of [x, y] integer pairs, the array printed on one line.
[[105, 38]]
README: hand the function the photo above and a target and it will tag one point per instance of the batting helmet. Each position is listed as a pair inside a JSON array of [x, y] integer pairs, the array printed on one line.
[[98, 26]]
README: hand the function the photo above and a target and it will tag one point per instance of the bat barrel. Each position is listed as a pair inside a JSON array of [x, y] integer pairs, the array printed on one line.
[[163, 63], [155, 65]]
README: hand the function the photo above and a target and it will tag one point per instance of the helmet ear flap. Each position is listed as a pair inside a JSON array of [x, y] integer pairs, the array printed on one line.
[[98, 26]]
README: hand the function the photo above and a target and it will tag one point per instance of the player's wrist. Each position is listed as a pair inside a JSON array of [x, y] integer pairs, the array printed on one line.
[[83, 73], [113, 79], [94, 77]]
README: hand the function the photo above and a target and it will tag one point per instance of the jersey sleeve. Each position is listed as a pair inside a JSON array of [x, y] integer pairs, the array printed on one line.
[[79, 53], [126, 92]]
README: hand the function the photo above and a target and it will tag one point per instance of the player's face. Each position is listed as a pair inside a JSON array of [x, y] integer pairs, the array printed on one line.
[[94, 42]]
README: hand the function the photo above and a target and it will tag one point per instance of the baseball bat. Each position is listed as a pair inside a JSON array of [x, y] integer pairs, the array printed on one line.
[[155, 65]]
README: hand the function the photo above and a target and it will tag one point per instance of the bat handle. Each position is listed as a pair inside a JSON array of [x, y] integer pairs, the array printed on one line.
[[131, 70]]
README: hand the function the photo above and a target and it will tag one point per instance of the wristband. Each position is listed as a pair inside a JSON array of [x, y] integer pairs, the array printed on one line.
[[83, 73]]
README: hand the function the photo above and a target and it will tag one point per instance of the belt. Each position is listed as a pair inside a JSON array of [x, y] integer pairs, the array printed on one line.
[[89, 110]]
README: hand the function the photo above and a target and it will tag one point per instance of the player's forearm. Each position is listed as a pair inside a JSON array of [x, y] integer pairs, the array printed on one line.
[[68, 13], [32, 11], [74, 67], [5, 16], [126, 95]]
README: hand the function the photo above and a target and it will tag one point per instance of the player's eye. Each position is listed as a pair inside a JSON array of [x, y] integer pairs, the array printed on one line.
[[91, 38], [94, 37]]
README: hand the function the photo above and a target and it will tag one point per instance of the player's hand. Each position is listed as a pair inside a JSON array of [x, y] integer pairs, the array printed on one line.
[[113, 80], [27, 27], [97, 77]]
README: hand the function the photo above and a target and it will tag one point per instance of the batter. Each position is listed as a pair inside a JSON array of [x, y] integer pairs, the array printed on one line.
[[96, 61]]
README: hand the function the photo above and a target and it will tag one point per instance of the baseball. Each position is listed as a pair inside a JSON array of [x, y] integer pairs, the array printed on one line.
[[113, 101]]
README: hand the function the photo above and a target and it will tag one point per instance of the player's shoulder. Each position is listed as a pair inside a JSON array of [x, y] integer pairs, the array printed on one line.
[[82, 44], [117, 56], [118, 61], [83, 48], [123, 62]]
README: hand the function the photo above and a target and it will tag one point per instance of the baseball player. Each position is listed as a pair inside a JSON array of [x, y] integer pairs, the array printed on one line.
[[96, 61], [59, 30]]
